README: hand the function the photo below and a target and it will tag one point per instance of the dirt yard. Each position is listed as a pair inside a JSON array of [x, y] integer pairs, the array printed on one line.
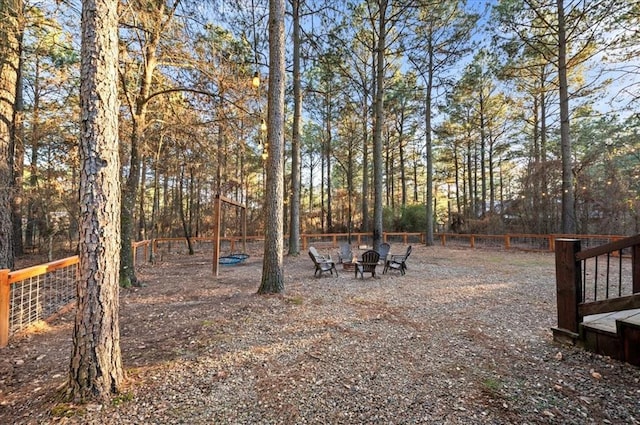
[[463, 338]]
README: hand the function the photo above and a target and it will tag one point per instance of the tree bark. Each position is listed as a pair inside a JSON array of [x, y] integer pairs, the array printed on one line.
[[379, 118], [18, 145], [568, 206], [272, 266], [429, 144], [10, 34], [96, 367], [294, 215]]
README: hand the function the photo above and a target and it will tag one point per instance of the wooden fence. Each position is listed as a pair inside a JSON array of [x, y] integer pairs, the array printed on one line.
[[36, 293], [515, 241]]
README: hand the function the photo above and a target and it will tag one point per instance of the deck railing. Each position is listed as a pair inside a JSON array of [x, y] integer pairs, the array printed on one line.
[[597, 280]]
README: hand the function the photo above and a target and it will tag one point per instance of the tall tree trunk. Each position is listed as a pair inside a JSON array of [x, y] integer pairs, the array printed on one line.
[[34, 206], [364, 227], [18, 143], [377, 129], [568, 206], [428, 141], [155, 209], [96, 366], [415, 177], [182, 204], [469, 181], [483, 152], [328, 163], [142, 221], [322, 179], [294, 205], [350, 189], [492, 188], [403, 176], [272, 265], [544, 186], [10, 24]]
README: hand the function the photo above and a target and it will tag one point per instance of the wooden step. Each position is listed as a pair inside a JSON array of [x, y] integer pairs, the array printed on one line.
[[629, 331], [615, 334]]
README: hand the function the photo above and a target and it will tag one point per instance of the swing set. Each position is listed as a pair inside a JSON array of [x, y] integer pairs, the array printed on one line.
[[217, 214]]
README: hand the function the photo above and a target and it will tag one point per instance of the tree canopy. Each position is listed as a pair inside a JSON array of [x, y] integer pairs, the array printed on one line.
[[429, 116]]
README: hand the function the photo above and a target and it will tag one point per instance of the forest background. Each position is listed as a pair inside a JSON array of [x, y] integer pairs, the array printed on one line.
[[462, 118]]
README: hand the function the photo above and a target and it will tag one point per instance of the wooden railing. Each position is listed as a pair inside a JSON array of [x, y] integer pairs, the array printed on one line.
[[33, 294], [584, 287]]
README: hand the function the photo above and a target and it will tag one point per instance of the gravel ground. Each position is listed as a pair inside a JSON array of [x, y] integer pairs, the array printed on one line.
[[463, 338]]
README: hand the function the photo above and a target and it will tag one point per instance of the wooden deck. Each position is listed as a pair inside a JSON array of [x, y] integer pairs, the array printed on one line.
[[607, 325]]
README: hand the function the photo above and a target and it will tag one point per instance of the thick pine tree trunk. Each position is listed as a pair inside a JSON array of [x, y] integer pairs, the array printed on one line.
[[10, 12], [18, 145], [96, 367], [272, 267]]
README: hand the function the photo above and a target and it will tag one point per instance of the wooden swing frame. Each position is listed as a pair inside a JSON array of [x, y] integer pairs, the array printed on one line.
[[217, 209]]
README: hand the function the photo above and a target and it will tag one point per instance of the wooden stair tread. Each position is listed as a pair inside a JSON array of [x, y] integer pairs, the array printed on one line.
[[606, 322]]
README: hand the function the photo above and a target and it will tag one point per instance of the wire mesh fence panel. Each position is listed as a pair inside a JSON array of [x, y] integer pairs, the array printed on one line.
[[488, 242], [140, 253], [457, 240], [593, 241], [205, 245], [37, 293], [26, 304], [59, 289], [404, 238], [529, 243]]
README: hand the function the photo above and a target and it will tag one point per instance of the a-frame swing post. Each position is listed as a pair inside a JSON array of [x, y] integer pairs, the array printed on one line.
[[243, 212], [217, 203]]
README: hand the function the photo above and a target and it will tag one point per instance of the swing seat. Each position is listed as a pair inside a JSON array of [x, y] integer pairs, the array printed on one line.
[[229, 260], [241, 256]]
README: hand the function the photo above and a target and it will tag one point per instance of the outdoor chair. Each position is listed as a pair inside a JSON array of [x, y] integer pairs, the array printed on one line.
[[397, 262], [384, 252], [368, 263], [322, 263], [345, 255]]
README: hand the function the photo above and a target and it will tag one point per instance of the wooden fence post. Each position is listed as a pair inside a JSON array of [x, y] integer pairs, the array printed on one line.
[[568, 289], [134, 248], [5, 298]]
